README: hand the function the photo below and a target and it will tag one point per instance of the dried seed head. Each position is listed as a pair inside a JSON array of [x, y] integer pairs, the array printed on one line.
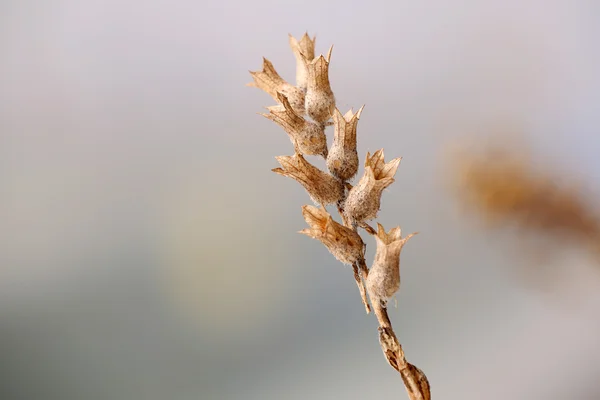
[[345, 244], [384, 276], [342, 160], [364, 199], [307, 137], [319, 100], [322, 188], [269, 80], [304, 50]]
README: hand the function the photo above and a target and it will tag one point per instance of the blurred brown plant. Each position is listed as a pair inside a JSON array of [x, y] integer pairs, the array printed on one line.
[[313, 96], [504, 187]]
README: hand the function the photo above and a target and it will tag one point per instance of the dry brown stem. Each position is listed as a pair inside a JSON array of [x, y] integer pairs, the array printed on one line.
[[360, 282], [415, 381], [357, 204]]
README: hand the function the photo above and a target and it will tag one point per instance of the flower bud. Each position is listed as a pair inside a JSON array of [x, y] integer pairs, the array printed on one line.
[[269, 80], [304, 50], [364, 199], [307, 137], [342, 160], [384, 276], [344, 243], [322, 188], [319, 100]]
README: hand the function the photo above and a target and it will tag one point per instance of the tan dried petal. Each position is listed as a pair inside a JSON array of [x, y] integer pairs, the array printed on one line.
[[269, 81], [319, 100], [380, 168], [322, 188], [342, 160], [307, 137], [364, 199], [304, 51], [384, 276], [344, 243]]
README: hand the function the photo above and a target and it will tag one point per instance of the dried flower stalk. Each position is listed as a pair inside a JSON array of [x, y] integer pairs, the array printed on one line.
[[313, 96]]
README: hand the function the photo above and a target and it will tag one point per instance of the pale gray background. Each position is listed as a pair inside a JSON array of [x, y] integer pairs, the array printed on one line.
[[147, 252]]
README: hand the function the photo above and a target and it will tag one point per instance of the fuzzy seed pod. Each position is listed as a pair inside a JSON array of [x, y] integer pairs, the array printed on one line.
[[319, 100], [304, 50], [307, 137], [345, 244], [322, 188], [342, 160], [384, 276], [364, 199], [269, 80]]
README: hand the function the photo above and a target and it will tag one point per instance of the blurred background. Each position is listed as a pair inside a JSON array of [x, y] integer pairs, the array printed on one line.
[[147, 251]]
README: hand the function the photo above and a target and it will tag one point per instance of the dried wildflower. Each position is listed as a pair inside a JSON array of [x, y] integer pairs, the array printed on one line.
[[322, 188], [319, 100], [313, 96], [307, 137], [344, 243], [269, 80], [384, 276], [364, 199], [342, 160], [304, 50]]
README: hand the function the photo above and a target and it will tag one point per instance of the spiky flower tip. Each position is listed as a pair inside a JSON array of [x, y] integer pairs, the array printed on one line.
[[345, 244], [322, 188], [342, 160], [384, 276], [319, 100], [269, 81], [364, 199], [304, 51], [307, 137]]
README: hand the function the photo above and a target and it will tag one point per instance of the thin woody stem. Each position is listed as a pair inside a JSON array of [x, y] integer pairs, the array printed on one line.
[[363, 268], [360, 282], [345, 220], [368, 228], [415, 381], [361, 288]]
